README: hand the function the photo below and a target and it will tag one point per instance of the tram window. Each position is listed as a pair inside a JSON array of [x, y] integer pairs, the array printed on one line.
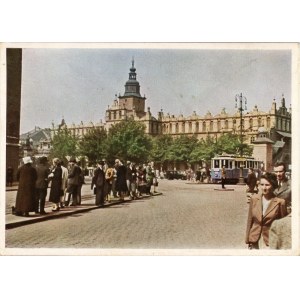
[[225, 163], [216, 164], [230, 164]]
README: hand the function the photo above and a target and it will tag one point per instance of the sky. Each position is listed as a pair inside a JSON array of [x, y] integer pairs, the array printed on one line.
[[79, 84]]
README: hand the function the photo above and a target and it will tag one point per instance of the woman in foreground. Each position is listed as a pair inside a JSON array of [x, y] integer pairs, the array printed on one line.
[[264, 208]]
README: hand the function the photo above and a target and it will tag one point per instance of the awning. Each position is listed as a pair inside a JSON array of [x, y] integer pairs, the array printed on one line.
[[284, 134]]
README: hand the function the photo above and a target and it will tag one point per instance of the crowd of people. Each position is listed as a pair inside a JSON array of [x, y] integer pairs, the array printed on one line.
[[119, 180], [109, 180]]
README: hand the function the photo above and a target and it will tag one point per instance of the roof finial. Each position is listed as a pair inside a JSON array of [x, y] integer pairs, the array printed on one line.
[[133, 61]]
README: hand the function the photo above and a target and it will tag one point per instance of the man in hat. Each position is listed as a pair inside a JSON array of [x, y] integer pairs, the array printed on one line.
[[73, 181], [41, 185], [25, 200], [99, 181]]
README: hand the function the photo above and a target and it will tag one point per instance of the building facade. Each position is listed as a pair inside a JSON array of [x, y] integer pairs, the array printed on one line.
[[276, 122]]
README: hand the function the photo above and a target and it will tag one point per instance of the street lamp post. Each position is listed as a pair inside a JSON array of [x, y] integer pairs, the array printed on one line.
[[242, 102]]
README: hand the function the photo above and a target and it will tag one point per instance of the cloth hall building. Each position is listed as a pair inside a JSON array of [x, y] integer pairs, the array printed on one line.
[[275, 123]]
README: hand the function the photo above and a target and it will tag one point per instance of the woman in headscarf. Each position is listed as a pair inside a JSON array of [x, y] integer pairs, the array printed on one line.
[[263, 210]]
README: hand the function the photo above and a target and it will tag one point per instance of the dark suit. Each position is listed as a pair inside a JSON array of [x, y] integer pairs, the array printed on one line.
[[99, 181], [285, 192], [41, 186], [259, 225]]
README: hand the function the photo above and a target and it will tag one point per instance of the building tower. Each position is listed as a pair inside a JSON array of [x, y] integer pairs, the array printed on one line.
[[130, 105], [132, 99]]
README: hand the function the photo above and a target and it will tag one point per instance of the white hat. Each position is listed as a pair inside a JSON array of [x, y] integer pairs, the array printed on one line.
[[27, 160]]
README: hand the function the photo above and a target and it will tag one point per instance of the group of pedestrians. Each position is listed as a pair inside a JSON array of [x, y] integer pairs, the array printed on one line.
[[65, 184], [269, 215], [108, 181], [120, 180]]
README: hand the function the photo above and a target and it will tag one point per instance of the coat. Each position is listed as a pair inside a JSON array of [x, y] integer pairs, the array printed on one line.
[[280, 236], [65, 174], [121, 185], [285, 192], [259, 225], [100, 182], [25, 200], [56, 191], [42, 176], [74, 175]]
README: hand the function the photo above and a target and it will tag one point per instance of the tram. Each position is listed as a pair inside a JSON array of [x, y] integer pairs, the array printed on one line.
[[232, 165]]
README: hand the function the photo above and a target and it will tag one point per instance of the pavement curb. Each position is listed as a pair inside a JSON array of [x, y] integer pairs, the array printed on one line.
[[24, 221]]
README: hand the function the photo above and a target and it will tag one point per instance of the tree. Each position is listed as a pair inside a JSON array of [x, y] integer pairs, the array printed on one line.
[[230, 143], [64, 144], [160, 148], [181, 148], [127, 140], [93, 145], [204, 150]]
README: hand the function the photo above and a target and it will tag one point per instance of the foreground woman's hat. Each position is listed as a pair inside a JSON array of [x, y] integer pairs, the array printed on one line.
[[27, 160]]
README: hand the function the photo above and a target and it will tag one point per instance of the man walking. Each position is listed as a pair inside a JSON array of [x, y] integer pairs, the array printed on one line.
[[223, 177]]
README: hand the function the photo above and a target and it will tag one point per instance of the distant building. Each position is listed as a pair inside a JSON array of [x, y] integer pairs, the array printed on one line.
[[276, 123], [36, 142]]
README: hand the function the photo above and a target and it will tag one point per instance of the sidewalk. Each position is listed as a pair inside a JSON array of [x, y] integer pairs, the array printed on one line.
[[87, 204]]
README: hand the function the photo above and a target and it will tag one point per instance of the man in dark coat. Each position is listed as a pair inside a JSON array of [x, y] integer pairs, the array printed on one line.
[[99, 181], [41, 185], [121, 185], [284, 189], [25, 200]]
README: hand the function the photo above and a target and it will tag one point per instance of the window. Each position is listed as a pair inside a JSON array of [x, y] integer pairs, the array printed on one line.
[[183, 127], [259, 122], [204, 126], [226, 124], [197, 126], [211, 126], [190, 126], [251, 123]]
